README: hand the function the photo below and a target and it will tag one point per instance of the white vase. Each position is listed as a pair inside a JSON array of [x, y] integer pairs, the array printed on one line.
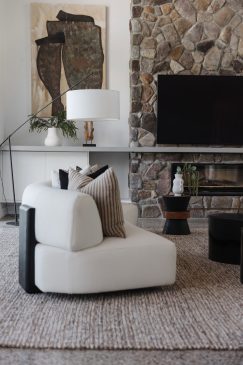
[[134, 144], [178, 185], [52, 138]]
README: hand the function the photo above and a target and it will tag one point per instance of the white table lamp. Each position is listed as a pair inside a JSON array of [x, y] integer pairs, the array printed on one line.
[[92, 105]]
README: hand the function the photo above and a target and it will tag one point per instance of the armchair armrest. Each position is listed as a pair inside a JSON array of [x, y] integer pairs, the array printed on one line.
[[130, 212]]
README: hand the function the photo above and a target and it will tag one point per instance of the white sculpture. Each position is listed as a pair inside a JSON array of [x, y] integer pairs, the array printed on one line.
[[178, 183]]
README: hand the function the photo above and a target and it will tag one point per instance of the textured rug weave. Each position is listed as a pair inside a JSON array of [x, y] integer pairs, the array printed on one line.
[[203, 310]]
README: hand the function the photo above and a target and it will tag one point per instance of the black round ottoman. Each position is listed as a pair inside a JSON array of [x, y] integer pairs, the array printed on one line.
[[225, 237]]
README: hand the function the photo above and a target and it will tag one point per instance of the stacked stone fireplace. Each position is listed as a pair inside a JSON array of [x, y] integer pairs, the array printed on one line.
[[192, 37], [151, 177]]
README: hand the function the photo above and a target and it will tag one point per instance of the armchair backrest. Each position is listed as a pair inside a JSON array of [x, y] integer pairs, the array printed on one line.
[[63, 218]]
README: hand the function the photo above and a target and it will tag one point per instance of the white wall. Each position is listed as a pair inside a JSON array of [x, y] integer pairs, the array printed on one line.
[[1, 77], [15, 85]]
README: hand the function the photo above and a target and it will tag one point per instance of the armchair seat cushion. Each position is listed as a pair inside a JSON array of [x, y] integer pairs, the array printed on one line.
[[143, 259]]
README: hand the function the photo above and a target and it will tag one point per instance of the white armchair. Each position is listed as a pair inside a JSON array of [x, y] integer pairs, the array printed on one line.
[[62, 248]]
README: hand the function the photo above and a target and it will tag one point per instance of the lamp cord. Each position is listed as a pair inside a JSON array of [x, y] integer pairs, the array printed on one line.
[[3, 189]]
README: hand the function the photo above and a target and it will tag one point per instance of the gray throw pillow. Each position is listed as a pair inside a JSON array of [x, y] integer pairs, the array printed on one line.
[[76, 180]]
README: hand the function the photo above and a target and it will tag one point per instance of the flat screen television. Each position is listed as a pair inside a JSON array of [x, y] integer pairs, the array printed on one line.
[[204, 110]]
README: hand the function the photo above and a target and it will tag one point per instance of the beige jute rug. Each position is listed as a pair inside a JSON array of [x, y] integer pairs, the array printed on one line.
[[203, 310]]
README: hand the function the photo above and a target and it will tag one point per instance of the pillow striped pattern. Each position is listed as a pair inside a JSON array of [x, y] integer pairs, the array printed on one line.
[[76, 180], [105, 192]]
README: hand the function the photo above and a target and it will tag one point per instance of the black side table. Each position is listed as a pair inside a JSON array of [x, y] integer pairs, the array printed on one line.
[[175, 210], [224, 231], [226, 239]]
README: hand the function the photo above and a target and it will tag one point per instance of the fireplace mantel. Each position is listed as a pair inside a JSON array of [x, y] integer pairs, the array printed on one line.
[[155, 149]]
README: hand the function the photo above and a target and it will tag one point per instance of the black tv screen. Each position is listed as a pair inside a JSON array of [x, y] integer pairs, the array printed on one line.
[[200, 110]]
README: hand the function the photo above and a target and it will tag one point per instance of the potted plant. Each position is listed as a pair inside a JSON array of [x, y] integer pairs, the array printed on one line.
[[52, 125], [191, 178]]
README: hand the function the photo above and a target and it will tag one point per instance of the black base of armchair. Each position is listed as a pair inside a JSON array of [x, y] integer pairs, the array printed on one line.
[[27, 243]]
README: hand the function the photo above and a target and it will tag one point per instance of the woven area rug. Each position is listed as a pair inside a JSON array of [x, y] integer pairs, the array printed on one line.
[[203, 310]]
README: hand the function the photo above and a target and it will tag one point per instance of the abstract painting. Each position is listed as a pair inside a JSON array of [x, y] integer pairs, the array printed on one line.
[[68, 48]]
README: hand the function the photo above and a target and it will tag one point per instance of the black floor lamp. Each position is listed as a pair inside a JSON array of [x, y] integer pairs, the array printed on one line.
[[8, 139]]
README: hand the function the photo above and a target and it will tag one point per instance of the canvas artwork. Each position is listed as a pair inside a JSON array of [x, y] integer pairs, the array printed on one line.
[[68, 47]]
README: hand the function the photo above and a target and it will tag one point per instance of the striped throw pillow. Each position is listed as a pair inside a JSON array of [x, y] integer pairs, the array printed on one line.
[[105, 192], [76, 180]]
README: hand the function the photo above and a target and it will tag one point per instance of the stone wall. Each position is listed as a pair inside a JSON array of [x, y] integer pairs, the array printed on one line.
[[195, 37]]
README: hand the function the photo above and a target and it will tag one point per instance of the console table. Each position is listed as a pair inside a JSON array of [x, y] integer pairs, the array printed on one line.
[[34, 163]]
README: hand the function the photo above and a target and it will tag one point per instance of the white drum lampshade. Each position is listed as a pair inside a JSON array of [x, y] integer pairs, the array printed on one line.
[[93, 104]]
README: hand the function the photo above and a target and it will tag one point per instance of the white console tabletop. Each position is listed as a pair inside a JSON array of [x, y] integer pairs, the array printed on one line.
[[157, 149]]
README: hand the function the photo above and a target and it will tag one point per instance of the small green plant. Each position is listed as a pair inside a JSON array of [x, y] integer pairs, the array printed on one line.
[[191, 178], [67, 127]]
